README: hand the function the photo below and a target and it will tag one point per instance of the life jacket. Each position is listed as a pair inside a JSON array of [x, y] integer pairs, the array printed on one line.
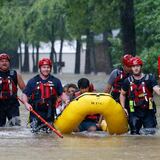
[[121, 76], [140, 94], [43, 92], [8, 85], [94, 117]]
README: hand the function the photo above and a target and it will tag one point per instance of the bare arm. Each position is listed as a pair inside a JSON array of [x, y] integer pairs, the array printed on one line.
[[108, 88], [24, 98], [100, 120], [25, 101], [21, 83], [157, 89], [111, 80], [122, 100]]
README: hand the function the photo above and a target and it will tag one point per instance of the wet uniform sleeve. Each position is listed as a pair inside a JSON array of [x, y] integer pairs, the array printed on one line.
[[125, 85], [112, 77], [29, 88], [59, 87], [153, 81]]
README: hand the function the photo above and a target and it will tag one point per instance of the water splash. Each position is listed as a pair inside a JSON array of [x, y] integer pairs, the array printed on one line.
[[21, 132], [100, 134]]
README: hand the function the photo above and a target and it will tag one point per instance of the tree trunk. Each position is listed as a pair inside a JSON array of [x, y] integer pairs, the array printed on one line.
[[20, 56], [37, 58], [78, 56], [26, 49], [33, 56], [88, 53], [53, 56], [55, 61], [108, 56], [25, 67], [60, 55], [92, 54], [128, 27]]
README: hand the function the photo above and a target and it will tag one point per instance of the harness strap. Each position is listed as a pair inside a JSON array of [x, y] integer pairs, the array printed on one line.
[[10, 85], [144, 91], [121, 75], [43, 93], [141, 95], [7, 87], [117, 81]]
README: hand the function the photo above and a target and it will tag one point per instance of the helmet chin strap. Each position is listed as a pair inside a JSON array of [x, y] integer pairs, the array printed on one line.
[[4, 70], [138, 74], [44, 75]]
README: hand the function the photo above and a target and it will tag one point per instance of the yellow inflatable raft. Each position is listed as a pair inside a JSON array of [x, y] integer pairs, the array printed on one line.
[[93, 103]]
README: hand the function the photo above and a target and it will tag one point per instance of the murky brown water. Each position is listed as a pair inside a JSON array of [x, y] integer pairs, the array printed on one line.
[[20, 144]]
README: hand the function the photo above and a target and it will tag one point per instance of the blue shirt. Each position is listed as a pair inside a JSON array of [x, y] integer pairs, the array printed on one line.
[[32, 83]]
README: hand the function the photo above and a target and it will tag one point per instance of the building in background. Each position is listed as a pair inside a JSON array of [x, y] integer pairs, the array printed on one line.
[[68, 55]]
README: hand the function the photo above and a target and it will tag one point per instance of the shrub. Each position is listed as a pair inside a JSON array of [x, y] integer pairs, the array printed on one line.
[[150, 59]]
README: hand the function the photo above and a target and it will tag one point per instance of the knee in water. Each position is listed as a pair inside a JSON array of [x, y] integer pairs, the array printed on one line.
[[14, 121], [148, 131], [34, 125], [134, 132]]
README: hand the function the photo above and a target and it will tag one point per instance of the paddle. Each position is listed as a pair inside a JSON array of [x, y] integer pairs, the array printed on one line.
[[43, 120]]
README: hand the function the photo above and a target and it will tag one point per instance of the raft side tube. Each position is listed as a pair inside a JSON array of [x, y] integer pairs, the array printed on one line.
[[93, 103]]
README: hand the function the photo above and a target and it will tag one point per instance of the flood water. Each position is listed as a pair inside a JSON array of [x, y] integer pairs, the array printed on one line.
[[20, 144]]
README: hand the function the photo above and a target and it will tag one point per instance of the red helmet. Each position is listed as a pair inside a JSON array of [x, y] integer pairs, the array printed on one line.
[[4, 56], [45, 61], [126, 59], [136, 61]]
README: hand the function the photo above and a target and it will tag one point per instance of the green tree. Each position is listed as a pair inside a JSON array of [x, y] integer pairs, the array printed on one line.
[[90, 18], [127, 18], [147, 23], [50, 17]]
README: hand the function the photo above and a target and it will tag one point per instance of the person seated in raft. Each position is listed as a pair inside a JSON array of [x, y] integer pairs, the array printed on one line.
[[66, 97], [72, 89], [62, 100], [90, 123]]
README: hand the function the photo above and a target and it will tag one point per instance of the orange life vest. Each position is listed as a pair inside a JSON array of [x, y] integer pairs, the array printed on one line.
[[8, 85], [43, 93], [140, 94], [121, 75]]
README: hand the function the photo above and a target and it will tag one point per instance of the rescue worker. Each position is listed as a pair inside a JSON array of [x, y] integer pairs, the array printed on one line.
[[41, 94], [117, 77], [90, 123], [138, 88], [9, 80]]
